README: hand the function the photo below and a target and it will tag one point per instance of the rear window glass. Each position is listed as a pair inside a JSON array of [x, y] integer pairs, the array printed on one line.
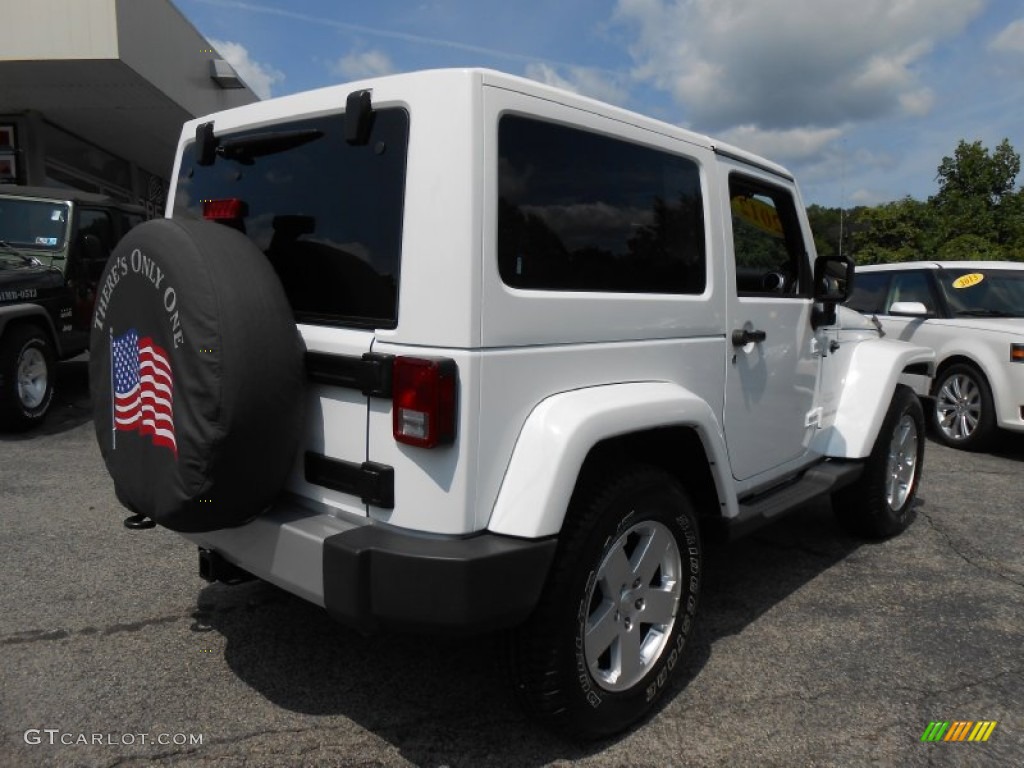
[[327, 214], [578, 211]]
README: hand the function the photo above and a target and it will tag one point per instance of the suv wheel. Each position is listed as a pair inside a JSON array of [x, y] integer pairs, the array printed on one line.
[[964, 415], [618, 607], [879, 504], [26, 377]]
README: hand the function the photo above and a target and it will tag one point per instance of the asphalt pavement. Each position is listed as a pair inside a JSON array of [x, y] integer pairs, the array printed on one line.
[[812, 648]]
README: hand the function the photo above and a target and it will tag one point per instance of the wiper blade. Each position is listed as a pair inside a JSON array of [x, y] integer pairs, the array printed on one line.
[[245, 149], [15, 252]]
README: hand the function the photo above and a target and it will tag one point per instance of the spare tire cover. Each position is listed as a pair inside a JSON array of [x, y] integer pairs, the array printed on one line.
[[196, 375]]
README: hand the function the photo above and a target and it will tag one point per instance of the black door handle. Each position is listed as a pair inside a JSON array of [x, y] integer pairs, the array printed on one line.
[[741, 337]]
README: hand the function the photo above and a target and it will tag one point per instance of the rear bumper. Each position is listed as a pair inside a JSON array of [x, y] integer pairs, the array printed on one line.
[[368, 575], [379, 576]]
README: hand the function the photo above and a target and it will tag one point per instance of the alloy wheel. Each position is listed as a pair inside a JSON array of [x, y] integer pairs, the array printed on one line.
[[958, 407], [633, 605], [902, 465]]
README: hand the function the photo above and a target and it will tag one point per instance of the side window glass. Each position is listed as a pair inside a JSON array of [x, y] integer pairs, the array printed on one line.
[[579, 211], [768, 244], [95, 241], [911, 286], [96, 223], [869, 292]]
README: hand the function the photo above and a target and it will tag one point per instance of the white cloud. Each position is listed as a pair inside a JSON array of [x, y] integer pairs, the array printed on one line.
[[782, 145], [259, 77], [582, 80], [1011, 39], [866, 197], [780, 64], [917, 103], [360, 64]]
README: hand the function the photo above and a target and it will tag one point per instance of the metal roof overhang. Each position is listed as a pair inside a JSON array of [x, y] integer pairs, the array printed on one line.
[[103, 101]]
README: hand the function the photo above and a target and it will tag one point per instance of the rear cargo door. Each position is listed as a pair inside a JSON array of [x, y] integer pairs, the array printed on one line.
[[328, 214]]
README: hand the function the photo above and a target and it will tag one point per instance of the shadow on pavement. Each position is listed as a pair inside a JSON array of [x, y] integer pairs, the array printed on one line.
[[426, 694]]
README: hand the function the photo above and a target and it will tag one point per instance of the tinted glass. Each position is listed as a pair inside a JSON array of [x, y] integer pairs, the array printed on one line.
[[912, 286], [327, 214], [869, 292], [33, 224], [578, 211], [767, 241], [98, 224], [984, 292]]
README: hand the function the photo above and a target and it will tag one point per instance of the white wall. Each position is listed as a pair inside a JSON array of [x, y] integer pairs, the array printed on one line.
[[58, 29]]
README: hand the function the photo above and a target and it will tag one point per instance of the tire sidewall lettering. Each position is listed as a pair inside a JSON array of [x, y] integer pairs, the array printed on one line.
[[583, 678]]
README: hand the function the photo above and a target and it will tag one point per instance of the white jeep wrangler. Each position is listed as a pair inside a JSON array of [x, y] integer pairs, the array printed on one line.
[[456, 350]]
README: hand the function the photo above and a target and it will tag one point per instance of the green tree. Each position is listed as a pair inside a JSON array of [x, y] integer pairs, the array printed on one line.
[[897, 231], [828, 226], [977, 214], [974, 184]]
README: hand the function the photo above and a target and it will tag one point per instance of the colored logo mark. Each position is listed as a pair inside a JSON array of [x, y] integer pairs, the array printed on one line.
[[959, 730]]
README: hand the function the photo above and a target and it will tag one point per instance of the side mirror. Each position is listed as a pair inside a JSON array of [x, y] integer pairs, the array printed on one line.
[[908, 308], [833, 283], [833, 279]]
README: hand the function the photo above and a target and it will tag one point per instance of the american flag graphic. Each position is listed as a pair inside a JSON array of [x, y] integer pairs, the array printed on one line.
[[143, 388]]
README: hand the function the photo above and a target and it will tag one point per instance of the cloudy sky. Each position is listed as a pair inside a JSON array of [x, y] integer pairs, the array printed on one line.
[[861, 98]]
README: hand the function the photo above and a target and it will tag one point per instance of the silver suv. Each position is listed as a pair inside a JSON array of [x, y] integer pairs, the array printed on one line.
[[972, 315]]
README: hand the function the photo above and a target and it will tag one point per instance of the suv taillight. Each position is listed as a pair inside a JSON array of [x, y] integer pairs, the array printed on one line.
[[227, 209], [424, 401]]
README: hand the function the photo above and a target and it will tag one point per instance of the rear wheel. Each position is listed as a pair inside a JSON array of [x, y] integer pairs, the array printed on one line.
[[964, 414], [26, 377], [879, 504], [618, 607]]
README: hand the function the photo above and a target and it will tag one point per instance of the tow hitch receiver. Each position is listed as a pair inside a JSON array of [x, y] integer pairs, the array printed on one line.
[[138, 523], [213, 567]]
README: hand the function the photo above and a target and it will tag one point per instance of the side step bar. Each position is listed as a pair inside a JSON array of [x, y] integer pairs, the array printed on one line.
[[822, 480]]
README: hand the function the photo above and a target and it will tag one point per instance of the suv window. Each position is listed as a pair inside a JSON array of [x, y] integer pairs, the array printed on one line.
[[578, 211], [767, 242], [94, 253], [327, 214], [985, 292], [912, 286], [869, 292], [97, 223]]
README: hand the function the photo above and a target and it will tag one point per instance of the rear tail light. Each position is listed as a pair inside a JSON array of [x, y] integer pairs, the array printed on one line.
[[227, 209], [424, 401]]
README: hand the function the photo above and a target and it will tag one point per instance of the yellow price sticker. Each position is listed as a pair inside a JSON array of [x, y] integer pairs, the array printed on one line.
[[966, 281], [758, 214]]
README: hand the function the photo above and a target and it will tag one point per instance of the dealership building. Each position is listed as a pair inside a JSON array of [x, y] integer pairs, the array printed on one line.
[[93, 94]]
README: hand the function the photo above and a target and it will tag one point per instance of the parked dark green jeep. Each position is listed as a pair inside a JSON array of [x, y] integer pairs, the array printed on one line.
[[54, 244]]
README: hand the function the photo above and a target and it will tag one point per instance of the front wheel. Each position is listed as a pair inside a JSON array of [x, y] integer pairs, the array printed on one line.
[[26, 377], [618, 607], [879, 503]]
